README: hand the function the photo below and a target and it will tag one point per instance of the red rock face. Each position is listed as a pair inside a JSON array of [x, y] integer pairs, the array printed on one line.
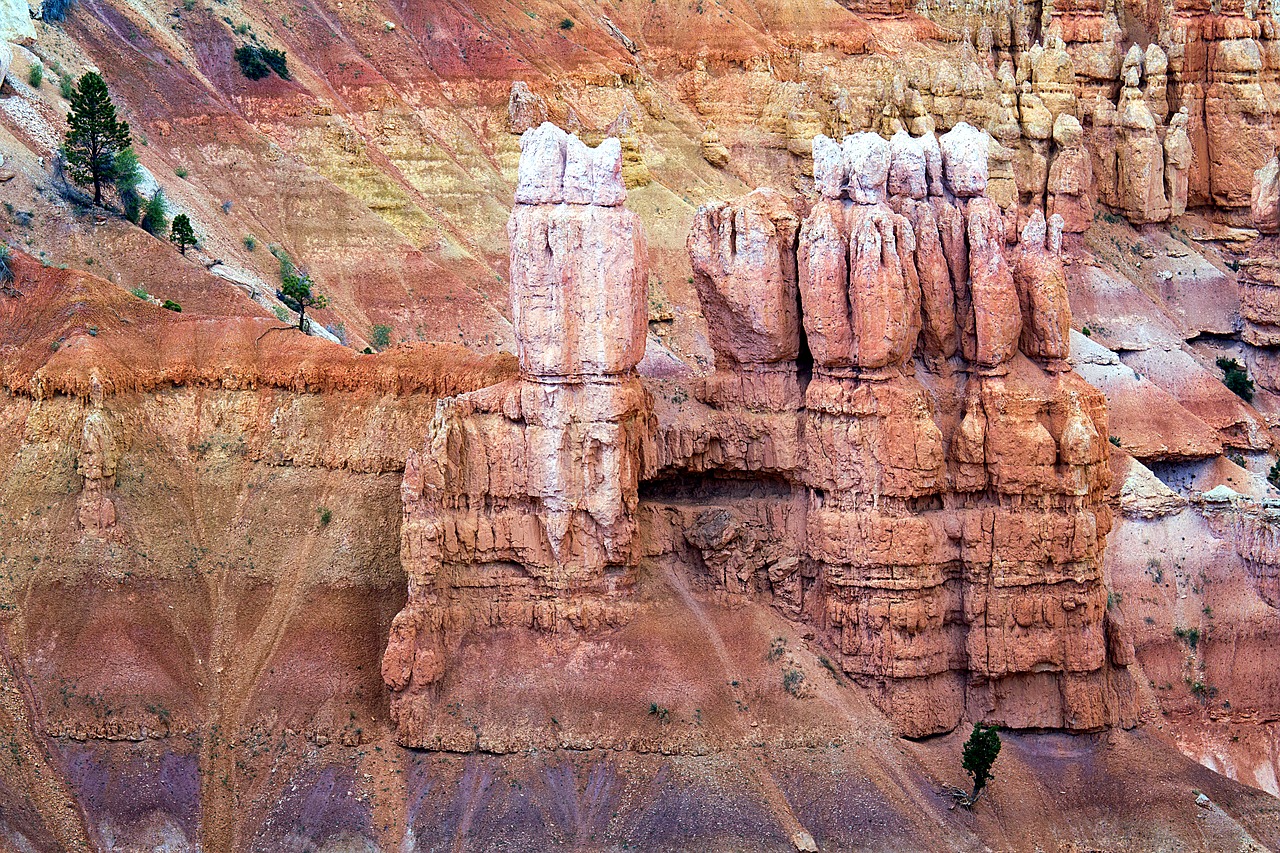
[[939, 523]]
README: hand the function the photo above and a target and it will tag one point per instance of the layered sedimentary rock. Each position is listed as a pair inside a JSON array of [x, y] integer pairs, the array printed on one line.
[[891, 448], [744, 266], [1259, 276], [520, 509]]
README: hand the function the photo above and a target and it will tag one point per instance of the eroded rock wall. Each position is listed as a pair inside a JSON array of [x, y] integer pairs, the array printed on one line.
[[891, 448]]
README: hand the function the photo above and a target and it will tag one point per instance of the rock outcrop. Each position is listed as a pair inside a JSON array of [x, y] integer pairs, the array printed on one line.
[[1070, 176], [744, 266], [1264, 198], [520, 510], [908, 482], [1140, 165]]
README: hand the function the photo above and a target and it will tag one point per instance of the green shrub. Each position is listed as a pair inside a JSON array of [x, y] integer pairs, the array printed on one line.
[[250, 242], [257, 62], [141, 293], [325, 516], [35, 75], [171, 305], [381, 336], [566, 24], [181, 172], [65, 88], [6, 269], [1236, 378], [656, 710], [155, 216]]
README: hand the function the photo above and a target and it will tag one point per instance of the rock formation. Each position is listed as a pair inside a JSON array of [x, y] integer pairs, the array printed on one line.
[[1042, 290], [1070, 176], [1264, 198], [525, 110], [1140, 176], [1177, 162], [97, 465], [541, 472], [744, 267], [934, 506], [922, 604]]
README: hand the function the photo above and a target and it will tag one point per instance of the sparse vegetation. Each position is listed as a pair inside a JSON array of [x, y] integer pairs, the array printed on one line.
[[793, 682], [380, 337], [1273, 476], [1236, 378], [181, 172], [257, 62], [656, 710], [566, 24], [182, 234], [141, 293], [250, 242], [777, 649], [1087, 332], [128, 176], [95, 137], [35, 75], [6, 270], [1190, 636], [326, 515], [66, 88], [1115, 440]]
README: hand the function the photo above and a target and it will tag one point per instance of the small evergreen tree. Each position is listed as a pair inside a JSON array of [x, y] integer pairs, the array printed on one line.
[[95, 138], [980, 753], [182, 235], [155, 217], [295, 290]]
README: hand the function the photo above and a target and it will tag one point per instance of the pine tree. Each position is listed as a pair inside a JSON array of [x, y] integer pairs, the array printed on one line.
[[980, 753], [182, 235], [295, 290], [94, 136]]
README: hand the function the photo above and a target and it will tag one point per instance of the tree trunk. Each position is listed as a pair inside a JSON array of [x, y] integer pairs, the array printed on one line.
[[97, 189], [302, 318]]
